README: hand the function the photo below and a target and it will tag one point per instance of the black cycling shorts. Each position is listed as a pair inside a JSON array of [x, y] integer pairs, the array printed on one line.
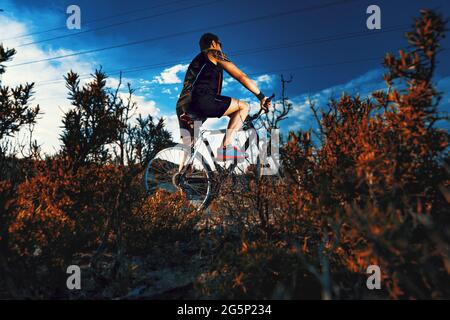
[[209, 105]]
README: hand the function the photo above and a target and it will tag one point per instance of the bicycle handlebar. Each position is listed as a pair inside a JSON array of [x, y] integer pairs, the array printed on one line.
[[256, 115]]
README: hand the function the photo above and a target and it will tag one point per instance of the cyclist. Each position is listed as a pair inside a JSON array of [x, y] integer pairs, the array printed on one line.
[[201, 94]]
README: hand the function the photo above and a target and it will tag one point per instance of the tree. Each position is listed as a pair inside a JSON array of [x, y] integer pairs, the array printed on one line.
[[278, 114], [15, 111], [146, 138], [95, 121], [129, 107]]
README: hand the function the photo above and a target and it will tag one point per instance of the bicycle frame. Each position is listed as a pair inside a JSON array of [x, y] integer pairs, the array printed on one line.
[[202, 139]]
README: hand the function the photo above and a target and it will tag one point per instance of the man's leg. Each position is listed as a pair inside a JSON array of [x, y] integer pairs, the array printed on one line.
[[237, 111], [186, 135], [186, 139]]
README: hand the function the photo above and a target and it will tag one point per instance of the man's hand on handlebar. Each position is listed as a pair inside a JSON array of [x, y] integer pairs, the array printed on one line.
[[265, 104]]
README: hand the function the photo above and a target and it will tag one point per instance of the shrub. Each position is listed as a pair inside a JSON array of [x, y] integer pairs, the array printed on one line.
[[373, 192], [59, 212], [161, 218]]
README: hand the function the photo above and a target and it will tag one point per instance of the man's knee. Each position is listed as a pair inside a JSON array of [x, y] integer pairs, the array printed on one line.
[[244, 106]]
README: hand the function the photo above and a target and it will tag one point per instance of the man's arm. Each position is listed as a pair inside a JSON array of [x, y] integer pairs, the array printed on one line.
[[234, 71]]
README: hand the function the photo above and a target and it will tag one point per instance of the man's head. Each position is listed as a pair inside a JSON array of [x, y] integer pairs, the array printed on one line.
[[210, 41]]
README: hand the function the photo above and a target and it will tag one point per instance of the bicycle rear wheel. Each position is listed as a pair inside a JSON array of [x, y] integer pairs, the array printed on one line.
[[162, 172]]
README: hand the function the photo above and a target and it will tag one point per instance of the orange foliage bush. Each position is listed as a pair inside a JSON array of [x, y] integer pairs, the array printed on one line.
[[162, 217], [373, 192], [259, 270], [58, 211]]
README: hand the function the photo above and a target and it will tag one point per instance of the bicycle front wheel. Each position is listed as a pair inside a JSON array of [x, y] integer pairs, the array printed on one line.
[[163, 172]]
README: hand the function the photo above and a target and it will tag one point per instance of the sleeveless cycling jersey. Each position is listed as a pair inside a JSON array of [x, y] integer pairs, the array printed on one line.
[[202, 87], [202, 77]]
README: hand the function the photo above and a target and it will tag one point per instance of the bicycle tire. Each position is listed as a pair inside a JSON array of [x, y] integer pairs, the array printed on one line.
[[156, 177]]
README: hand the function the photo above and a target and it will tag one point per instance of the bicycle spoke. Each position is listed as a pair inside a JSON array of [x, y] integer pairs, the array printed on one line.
[[156, 167], [164, 173], [198, 191]]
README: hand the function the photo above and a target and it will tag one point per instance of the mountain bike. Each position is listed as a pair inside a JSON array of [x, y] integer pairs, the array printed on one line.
[[185, 168]]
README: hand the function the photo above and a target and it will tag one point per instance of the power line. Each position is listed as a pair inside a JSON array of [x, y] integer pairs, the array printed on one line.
[[244, 52], [317, 66], [325, 39], [119, 23], [239, 22], [95, 20], [123, 71], [354, 61]]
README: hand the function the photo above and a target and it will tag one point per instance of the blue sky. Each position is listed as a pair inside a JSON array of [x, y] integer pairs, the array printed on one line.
[[297, 41]]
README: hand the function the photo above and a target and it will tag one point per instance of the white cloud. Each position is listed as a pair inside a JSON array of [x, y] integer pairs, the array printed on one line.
[[264, 79], [301, 116], [263, 82], [170, 75], [228, 81], [51, 97], [301, 109], [363, 85], [144, 81], [144, 107], [171, 123]]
